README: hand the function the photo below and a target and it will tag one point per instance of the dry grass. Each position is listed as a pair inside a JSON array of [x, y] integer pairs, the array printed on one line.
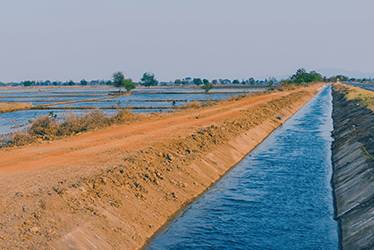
[[363, 96], [21, 138], [9, 107], [239, 97], [287, 87], [46, 128], [192, 105]]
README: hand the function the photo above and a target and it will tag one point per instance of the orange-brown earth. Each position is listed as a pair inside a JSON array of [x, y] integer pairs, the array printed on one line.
[[9, 107], [114, 188]]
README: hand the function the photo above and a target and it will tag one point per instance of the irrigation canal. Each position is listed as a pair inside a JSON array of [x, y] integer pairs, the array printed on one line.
[[278, 197]]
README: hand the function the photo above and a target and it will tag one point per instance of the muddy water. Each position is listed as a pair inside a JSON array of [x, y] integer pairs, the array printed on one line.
[[278, 197]]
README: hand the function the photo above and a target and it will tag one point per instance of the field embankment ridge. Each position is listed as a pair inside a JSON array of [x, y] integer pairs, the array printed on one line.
[[13, 106]]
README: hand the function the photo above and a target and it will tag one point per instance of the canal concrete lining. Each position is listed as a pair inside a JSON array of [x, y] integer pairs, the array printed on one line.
[[353, 166]]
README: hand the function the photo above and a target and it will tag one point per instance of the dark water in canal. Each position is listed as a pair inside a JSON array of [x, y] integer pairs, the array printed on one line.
[[279, 197]]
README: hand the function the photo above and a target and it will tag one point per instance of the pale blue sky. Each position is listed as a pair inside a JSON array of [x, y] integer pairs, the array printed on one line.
[[75, 39]]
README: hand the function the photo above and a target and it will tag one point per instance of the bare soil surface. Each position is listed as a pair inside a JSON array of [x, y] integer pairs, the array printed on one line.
[[9, 107], [114, 188]]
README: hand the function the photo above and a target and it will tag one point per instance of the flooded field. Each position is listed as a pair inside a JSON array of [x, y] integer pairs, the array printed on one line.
[[62, 101]]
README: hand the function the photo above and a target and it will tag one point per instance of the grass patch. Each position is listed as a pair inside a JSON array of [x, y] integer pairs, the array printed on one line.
[[362, 96]]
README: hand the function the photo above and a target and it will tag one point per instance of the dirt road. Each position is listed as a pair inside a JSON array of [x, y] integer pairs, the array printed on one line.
[[115, 187], [108, 145]]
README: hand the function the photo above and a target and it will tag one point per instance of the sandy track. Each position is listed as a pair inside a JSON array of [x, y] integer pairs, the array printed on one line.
[[57, 195], [22, 168]]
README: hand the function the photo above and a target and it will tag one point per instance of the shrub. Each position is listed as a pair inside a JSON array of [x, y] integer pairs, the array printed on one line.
[[70, 126], [74, 124], [21, 138], [124, 116], [207, 87], [193, 105], [95, 119], [44, 128], [47, 128]]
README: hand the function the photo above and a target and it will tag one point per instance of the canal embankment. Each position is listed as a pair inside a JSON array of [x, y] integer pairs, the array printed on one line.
[[115, 188], [353, 166]]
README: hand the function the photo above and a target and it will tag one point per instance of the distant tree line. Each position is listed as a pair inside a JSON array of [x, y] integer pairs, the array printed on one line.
[[202, 81], [148, 79], [343, 78], [59, 83], [303, 77]]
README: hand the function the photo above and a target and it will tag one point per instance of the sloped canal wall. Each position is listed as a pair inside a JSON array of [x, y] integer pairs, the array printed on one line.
[[353, 178]]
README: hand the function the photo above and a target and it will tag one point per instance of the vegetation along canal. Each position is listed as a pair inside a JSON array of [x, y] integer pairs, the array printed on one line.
[[278, 197]]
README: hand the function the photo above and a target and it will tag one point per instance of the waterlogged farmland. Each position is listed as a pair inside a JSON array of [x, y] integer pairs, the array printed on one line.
[[63, 101]]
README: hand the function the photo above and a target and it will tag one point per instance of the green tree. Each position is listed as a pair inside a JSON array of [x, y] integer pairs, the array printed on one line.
[[71, 83], [302, 76], [128, 84], [252, 81], [315, 77], [271, 81], [197, 81], [149, 79], [207, 87], [28, 83], [83, 82], [118, 79], [342, 78]]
